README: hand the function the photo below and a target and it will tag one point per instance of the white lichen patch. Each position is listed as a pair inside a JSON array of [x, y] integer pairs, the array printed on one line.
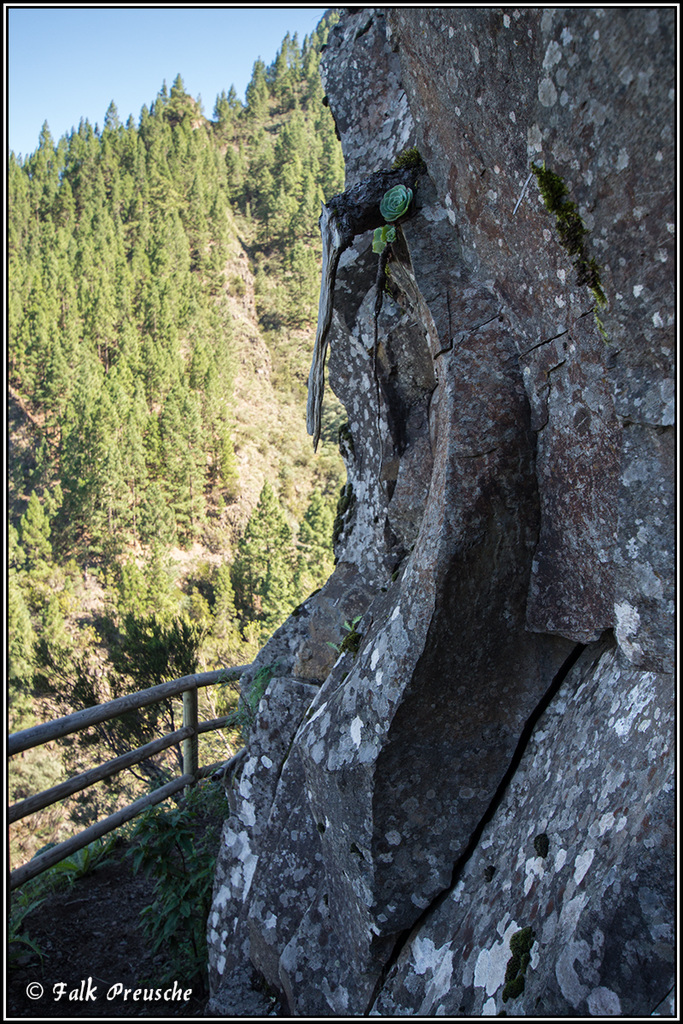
[[489, 972], [247, 813], [627, 625], [639, 700], [244, 865], [534, 139], [553, 55], [603, 1002], [356, 726], [547, 93], [534, 868], [581, 865], [565, 973], [606, 822]]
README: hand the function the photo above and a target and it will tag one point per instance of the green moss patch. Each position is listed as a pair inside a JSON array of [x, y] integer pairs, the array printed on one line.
[[571, 229], [346, 502], [520, 947], [408, 158]]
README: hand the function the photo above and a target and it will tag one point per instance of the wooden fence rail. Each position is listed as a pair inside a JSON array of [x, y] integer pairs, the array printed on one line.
[[26, 739]]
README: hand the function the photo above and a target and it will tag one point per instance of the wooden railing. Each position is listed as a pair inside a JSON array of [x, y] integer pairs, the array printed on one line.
[[58, 727]]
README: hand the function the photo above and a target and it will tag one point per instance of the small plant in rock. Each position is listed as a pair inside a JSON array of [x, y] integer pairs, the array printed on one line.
[[351, 642], [244, 716], [394, 204]]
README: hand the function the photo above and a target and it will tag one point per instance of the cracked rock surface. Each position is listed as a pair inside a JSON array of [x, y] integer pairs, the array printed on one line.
[[493, 764]]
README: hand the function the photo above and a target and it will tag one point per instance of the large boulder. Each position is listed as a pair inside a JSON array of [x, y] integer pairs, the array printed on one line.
[[470, 809]]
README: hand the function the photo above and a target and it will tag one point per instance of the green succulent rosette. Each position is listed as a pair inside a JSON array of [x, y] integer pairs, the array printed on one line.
[[382, 236], [395, 202]]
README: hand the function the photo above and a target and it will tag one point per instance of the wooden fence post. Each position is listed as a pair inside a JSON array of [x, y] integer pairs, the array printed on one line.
[[37, 735], [191, 744]]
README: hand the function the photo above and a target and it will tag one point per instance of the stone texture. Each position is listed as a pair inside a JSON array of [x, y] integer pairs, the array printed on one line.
[[596, 782], [507, 545]]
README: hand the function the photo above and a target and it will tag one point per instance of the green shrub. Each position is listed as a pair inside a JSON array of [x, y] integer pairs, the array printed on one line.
[[177, 847], [82, 862]]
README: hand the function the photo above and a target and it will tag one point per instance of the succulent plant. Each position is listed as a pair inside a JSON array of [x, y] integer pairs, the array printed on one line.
[[393, 205], [395, 202], [382, 236]]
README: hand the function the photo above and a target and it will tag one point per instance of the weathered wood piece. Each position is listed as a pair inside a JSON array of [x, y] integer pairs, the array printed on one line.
[[103, 771], [100, 828], [38, 734], [191, 742]]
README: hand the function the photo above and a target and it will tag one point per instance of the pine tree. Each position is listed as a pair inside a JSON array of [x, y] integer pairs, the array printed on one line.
[[263, 569], [316, 555], [111, 118], [257, 93], [35, 538]]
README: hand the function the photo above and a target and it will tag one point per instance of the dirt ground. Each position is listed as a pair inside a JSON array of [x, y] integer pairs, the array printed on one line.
[[94, 952]]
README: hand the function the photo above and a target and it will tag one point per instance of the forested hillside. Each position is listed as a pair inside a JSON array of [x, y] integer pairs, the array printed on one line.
[[166, 508]]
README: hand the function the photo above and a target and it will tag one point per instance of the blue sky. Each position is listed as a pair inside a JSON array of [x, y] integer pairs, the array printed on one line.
[[65, 63]]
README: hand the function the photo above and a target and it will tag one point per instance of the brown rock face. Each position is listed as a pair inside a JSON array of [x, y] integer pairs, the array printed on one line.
[[487, 766]]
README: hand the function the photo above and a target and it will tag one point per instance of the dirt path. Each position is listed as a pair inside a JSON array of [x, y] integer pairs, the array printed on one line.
[[94, 950]]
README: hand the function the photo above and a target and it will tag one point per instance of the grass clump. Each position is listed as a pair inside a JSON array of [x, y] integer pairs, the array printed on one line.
[[408, 158]]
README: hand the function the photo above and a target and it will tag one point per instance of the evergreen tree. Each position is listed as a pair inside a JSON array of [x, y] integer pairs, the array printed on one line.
[[316, 555], [263, 575], [111, 118], [157, 522], [257, 93], [35, 538]]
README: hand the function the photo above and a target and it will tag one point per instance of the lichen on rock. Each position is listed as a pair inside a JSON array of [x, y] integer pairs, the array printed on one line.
[[492, 767]]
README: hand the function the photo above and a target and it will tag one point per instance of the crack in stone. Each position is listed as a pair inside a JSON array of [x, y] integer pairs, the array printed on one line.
[[404, 938], [461, 335], [546, 342]]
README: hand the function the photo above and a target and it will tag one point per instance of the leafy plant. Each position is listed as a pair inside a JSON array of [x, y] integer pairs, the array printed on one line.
[[84, 861], [351, 642], [20, 945], [245, 715], [382, 237], [177, 846], [394, 204]]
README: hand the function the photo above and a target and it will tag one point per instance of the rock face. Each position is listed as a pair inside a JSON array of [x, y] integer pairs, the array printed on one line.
[[470, 810]]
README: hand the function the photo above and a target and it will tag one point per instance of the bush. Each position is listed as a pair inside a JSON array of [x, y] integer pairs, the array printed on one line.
[[177, 846]]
